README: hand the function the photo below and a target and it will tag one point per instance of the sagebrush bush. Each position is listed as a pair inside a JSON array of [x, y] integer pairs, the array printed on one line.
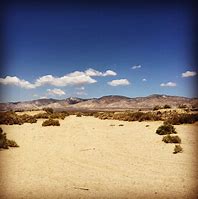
[[4, 142], [183, 118], [28, 119], [51, 122], [166, 129], [178, 149], [155, 108], [182, 106], [10, 118], [48, 110], [78, 114], [42, 116], [12, 143], [166, 106], [58, 115], [171, 139]]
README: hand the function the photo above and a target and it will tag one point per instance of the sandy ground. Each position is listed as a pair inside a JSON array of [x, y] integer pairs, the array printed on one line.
[[90, 158]]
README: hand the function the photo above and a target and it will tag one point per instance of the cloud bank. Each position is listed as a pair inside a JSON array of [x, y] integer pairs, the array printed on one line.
[[74, 78], [8, 80]]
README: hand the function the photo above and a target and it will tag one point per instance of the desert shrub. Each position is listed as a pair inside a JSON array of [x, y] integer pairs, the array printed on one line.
[[166, 106], [171, 139], [51, 122], [65, 113], [96, 114], [150, 117], [178, 149], [48, 110], [10, 118], [182, 106], [121, 125], [78, 114], [12, 143], [4, 142], [157, 108], [28, 119], [58, 116], [182, 118], [166, 129], [129, 116], [42, 116], [194, 109], [89, 113]]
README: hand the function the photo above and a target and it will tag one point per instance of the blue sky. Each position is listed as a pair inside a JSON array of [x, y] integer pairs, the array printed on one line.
[[92, 51]]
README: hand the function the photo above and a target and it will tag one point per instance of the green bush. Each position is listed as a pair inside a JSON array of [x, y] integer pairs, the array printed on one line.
[[178, 149], [165, 129], [51, 122], [171, 139]]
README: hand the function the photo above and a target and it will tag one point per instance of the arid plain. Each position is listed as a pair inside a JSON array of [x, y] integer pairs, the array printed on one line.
[[86, 157]]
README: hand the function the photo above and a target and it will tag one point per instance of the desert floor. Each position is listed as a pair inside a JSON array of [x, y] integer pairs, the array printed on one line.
[[90, 158]]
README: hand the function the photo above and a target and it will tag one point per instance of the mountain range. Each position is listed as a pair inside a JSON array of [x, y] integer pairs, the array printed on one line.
[[106, 102]]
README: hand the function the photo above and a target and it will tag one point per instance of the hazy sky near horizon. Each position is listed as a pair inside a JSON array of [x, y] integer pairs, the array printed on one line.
[[95, 50]]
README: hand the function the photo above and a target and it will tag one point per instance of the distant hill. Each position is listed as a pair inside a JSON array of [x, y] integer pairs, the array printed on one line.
[[105, 102]]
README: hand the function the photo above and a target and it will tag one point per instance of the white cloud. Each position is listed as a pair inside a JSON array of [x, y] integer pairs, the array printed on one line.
[[81, 93], [43, 97], [144, 80], [55, 91], [119, 82], [136, 66], [8, 80], [109, 73], [82, 88], [74, 78], [92, 72], [189, 74], [168, 84]]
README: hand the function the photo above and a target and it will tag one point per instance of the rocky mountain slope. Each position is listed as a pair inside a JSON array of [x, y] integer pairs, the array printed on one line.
[[105, 102]]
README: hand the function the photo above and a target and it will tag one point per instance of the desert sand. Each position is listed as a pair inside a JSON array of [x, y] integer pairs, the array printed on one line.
[[90, 158]]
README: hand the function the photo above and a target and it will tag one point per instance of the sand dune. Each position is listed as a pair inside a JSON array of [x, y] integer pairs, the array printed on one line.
[[90, 158]]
